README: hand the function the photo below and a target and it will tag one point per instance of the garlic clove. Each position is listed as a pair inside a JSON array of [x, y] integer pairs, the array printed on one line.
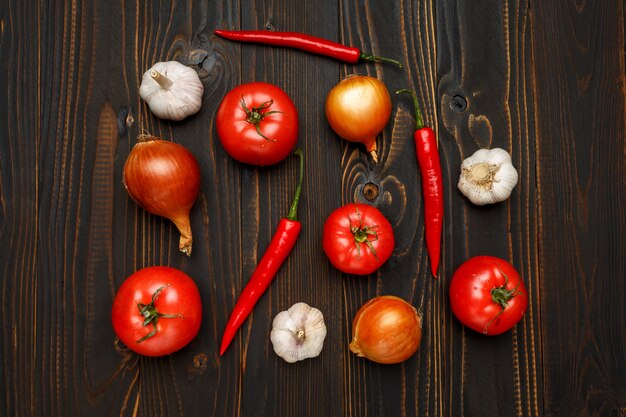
[[488, 176], [298, 333], [172, 90]]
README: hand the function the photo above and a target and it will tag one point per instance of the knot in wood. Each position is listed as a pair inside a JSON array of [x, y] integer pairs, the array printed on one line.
[[371, 191], [458, 103], [199, 361]]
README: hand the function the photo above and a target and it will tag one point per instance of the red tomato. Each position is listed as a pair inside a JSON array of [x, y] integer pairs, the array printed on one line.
[[358, 239], [171, 303], [488, 295], [257, 123]]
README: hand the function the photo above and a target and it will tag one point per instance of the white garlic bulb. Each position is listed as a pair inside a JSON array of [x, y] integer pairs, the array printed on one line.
[[298, 333], [488, 176], [172, 90]]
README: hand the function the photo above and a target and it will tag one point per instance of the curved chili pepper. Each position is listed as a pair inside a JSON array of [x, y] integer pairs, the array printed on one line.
[[303, 42], [280, 247], [432, 184]]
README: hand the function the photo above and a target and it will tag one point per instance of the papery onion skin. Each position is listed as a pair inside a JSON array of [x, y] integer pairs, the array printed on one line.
[[358, 109], [163, 177], [386, 330]]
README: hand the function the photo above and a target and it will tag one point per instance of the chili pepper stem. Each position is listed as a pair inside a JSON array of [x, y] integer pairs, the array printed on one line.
[[376, 58], [293, 209], [419, 121]]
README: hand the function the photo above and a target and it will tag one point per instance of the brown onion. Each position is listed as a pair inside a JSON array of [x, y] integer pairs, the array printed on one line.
[[358, 109], [164, 178], [386, 330]]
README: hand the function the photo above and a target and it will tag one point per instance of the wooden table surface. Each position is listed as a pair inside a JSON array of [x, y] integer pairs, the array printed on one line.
[[544, 80]]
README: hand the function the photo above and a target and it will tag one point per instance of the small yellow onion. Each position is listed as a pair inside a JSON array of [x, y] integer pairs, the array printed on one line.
[[358, 109], [164, 178], [386, 330]]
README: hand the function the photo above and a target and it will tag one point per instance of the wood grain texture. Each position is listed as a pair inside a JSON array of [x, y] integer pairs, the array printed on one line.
[[485, 57], [392, 30], [581, 120], [545, 81]]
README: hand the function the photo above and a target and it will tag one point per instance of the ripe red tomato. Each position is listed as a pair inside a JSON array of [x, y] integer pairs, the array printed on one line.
[[488, 295], [160, 299], [257, 123], [358, 239]]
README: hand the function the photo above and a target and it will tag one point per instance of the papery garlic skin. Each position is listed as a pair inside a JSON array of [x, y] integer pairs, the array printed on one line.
[[488, 176], [172, 90], [298, 333]]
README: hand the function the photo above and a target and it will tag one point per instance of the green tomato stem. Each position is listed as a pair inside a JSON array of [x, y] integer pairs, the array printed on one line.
[[502, 296], [151, 315], [256, 115], [362, 233]]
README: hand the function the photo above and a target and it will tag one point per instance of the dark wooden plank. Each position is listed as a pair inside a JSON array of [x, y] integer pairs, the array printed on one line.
[[303, 388], [581, 120], [21, 125], [485, 60], [194, 381], [406, 31], [61, 79], [544, 81]]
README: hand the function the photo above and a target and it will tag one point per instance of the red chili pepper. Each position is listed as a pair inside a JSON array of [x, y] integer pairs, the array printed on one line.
[[303, 42], [280, 247], [432, 184]]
